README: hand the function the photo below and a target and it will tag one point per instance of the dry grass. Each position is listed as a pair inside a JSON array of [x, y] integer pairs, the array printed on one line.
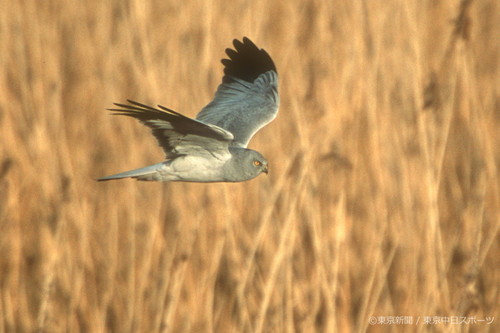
[[383, 197]]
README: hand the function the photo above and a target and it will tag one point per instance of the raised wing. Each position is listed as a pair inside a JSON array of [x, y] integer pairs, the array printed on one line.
[[247, 99], [178, 134]]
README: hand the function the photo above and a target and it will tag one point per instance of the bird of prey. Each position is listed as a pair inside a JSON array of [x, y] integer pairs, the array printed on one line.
[[212, 147]]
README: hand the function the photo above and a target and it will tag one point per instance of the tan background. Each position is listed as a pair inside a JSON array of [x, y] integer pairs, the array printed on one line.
[[383, 194]]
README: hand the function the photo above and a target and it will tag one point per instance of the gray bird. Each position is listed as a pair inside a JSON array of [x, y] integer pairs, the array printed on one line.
[[212, 147]]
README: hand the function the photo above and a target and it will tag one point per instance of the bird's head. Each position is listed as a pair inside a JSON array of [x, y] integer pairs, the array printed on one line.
[[247, 164]]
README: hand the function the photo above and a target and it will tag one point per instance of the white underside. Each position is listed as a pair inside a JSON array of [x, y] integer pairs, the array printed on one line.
[[183, 168]]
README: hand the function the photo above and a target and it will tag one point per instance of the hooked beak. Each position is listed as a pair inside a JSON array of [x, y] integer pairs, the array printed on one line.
[[265, 170]]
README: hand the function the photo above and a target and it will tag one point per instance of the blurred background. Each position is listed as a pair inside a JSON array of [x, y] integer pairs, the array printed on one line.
[[383, 194]]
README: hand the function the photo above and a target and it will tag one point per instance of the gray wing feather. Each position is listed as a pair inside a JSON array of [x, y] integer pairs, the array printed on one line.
[[247, 99], [178, 134]]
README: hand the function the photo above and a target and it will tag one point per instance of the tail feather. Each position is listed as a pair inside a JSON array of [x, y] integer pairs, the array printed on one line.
[[147, 173]]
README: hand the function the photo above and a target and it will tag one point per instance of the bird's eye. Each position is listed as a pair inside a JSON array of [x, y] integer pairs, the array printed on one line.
[[257, 163]]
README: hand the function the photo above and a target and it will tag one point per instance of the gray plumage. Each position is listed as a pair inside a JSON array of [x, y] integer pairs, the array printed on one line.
[[212, 147]]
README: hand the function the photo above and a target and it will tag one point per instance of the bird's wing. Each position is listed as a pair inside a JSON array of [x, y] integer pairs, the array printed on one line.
[[247, 99], [178, 134]]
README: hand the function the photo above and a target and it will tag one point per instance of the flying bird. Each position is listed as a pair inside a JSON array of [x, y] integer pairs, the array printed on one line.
[[213, 147]]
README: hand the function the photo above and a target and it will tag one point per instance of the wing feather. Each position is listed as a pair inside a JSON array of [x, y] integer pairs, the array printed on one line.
[[178, 134], [247, 99]]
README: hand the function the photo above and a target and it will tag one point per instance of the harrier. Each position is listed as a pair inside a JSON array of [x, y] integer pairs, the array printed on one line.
[[213, 147]]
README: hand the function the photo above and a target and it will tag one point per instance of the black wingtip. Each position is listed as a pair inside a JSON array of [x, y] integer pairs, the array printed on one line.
[[246, 61]]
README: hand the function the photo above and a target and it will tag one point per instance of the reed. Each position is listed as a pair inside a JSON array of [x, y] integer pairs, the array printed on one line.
[[383, 193]]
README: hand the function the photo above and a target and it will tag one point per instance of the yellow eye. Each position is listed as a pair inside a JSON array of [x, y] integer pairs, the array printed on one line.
[[257, 163]]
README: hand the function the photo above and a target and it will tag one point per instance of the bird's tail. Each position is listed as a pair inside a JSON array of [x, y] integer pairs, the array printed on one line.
[[151, 173]]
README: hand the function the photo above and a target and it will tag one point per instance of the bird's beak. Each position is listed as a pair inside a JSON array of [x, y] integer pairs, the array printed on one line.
[[265, 170]]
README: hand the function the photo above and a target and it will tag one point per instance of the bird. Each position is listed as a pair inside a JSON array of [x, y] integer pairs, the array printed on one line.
[[213, 146]]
